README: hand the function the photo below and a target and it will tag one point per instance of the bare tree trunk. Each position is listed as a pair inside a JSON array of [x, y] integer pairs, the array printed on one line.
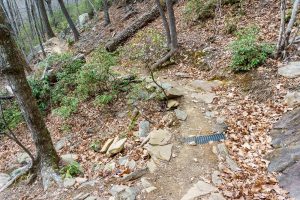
[[165, 22], [285, 32], [172, 24], [48, 29], [39, 17], [106, 13], [70, 21], [173, 33], [39, 35], [49, 5], [12, 65], [29, 19], [12, 18]]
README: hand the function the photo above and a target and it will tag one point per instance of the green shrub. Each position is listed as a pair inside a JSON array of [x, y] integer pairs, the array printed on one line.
[[68, 106], [96, 76], [247, 52], [48, 95], [103, 99], [12, 115], [71, 170]]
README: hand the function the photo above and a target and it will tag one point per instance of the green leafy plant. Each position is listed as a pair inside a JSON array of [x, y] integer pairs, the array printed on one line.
[[96, 76], [247, 51], [103, 99], [95, 146], [12, 115], [71, 170]]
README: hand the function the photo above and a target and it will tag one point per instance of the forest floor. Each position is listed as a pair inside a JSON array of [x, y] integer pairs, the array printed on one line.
[[249, 103]]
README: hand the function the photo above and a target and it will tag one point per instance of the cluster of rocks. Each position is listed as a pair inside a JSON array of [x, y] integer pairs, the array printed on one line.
[[286, 141]]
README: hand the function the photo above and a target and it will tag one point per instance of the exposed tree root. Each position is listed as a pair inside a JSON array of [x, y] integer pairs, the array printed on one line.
[[20, 172], [48, 174], [163, 60]]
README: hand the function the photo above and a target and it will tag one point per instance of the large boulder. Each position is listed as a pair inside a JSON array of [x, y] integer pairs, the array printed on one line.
[[286, 140], [83, 19]]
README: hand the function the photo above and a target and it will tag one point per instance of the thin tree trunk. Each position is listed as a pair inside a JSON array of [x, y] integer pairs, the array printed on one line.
[[49, 5], [48, 29], [292, 20], [106, 13], [12, 18], [41, 23], [165, 22], [172, 24], [70, 21], [12, 65], [29, 19], [282, 27], [34, 16]]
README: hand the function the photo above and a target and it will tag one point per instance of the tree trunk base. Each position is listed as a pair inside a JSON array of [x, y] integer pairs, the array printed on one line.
[[49, 175], [161, 61]]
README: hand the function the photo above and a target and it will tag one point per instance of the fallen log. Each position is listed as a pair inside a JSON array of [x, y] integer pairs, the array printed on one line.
[[123, 36]]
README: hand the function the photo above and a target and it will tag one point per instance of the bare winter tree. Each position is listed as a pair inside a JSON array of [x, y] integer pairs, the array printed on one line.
[[285, 31], [12, 65], [69, 19], [47, 26], [106, 13]]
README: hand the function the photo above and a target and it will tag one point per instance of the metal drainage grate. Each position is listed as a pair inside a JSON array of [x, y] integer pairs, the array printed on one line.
[[204, 139]]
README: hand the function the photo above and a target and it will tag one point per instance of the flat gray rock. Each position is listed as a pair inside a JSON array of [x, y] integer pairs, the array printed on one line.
[[216, 196], [282, 158], [292, 99], [199, 189], [160, 152], [144, 128], [206, 97], [287, 130], [290, 180], [180, 114], [291, 70], [69, 158], [69, 182], [206, 86], [160, 137]]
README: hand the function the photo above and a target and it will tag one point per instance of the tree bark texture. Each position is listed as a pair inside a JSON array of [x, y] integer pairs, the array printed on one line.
[[70, 21], [12, 65], [165, 22], [172, 24], [47, 26]]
